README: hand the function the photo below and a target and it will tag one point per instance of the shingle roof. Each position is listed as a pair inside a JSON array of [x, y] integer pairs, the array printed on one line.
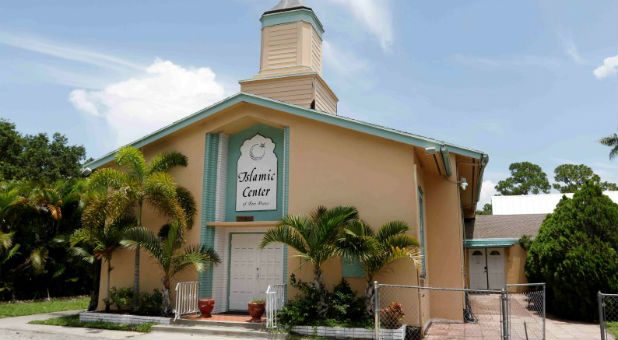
[[503, 226]]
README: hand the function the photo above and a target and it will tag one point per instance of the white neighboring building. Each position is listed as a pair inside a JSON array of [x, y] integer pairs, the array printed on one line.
[[532, 204]]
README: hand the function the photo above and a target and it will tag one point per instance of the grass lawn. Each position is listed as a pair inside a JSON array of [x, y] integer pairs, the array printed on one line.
[[612, 328], [73, 321], [55, 305]]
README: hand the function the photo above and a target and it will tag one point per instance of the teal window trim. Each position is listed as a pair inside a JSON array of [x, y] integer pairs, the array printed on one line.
[[490, 242], [421, 231], [209, 187], [352, 268]]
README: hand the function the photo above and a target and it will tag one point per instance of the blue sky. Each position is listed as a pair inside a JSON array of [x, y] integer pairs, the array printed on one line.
[[520, 80]]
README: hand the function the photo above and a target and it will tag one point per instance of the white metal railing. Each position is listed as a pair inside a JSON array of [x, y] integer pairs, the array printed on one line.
[[186, 299], [275, 299]]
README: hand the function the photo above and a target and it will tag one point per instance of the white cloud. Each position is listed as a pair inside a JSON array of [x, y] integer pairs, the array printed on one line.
[[142, 104], [341, 61], [375, 15], [572, 51], [487, 191], [66, 52], [609, 67]]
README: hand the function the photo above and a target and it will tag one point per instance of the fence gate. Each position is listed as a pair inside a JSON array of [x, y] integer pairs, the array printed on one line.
[[526, 311], [402, 312], [608, 315]]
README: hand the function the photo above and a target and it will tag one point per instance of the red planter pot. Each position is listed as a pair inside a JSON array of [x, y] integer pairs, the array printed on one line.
[[206, 306], [256, 310]]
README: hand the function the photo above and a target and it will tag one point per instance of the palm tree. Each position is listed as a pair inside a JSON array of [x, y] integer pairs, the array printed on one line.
[[145, 183], [612, 142], [374, 250], [103, 241], [313, 237], [164, 248]]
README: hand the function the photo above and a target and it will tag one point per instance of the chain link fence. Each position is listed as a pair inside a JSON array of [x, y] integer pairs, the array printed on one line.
[[403, 312], [526, 311], [608, 316]]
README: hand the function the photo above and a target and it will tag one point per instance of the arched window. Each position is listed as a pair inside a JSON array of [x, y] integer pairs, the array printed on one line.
[[476, 253], [494, 252]]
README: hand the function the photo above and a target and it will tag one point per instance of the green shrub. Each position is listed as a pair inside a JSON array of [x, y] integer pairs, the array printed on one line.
[[120, 298], [344, 308], [575, 253], [150, 303]]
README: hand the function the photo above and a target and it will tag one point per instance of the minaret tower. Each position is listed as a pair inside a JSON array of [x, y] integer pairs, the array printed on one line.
[[291, 59]]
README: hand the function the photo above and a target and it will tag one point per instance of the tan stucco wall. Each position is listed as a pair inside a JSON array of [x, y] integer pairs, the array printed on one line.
[[329, 166], [515, 264], [444, 245]]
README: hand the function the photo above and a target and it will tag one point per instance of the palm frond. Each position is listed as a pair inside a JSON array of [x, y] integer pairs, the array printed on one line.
[[199, 257], [6, 240], [187, 203], [611, 141], [144, 237], [286, 234], [391, 229], [107, 178], [166, 161], [37, 259], [132, 159], [12, 252], [160, 192]]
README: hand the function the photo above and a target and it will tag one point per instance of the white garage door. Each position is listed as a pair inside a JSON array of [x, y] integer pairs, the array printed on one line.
[[252, 269]]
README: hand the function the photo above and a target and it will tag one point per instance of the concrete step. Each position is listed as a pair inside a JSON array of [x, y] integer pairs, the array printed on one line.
[[228, 331], [206, 323]]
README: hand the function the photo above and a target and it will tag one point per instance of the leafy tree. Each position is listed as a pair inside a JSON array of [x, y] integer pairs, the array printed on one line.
[[575, 253], [487, 210], [525, 178], [570, 178], [10, 150], [612, 142], [37, 158], [145, 183], [374, 250], [164, 248], [314, 237]]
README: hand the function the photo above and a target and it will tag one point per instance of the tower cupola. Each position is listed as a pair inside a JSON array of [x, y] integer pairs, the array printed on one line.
[[291, 58]]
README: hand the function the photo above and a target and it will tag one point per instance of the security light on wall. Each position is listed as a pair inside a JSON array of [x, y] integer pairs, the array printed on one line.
[[463, 184], [86, 172]]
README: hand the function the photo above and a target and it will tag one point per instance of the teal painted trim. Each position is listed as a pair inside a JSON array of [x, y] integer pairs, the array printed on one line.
[[229, 264], [352, 268], [209, 188], [446, 160], [297, 15], [490, 242], [234, 143], [348, 123], [285, 199], [421, 231]]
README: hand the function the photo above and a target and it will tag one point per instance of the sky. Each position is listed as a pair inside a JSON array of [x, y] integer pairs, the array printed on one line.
[[520, 80]]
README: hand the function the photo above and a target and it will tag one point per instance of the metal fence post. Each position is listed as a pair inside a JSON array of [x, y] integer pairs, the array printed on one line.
[[505, 314], [544, 306], [601, 316], [376, 309]]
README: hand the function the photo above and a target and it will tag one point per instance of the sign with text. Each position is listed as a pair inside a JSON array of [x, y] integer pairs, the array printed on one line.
[[256, 175]]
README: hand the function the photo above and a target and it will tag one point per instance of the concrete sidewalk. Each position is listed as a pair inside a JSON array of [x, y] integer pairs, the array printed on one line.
[[17, 328]]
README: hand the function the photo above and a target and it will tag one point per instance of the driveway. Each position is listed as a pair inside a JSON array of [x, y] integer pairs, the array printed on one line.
[[525, 323], [17, 328]]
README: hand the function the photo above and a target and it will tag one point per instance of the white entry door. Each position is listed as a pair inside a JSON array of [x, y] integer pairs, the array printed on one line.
[[478, 268], [495, 268], [252, 269]]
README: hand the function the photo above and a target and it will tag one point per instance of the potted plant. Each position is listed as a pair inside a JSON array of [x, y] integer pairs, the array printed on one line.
[[257, 306], [206, 306]]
